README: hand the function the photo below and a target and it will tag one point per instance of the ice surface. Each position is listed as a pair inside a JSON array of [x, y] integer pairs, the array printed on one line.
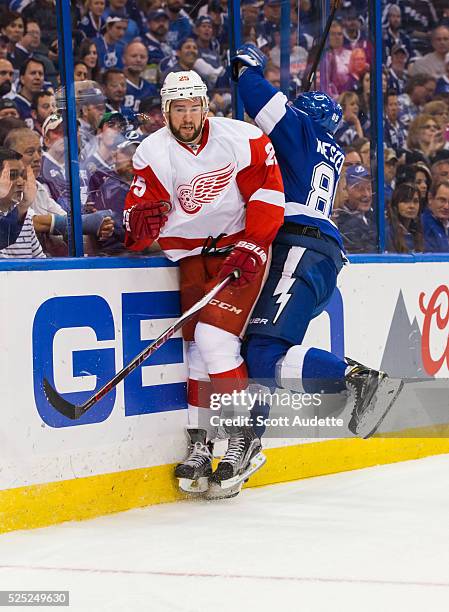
[[370, 540]]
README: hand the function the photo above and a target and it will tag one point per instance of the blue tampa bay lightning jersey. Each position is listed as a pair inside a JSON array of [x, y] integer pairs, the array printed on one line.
[[309, 158]]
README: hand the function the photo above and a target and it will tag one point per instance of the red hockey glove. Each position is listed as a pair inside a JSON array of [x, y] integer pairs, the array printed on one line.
[[146, 219], [246, 257]]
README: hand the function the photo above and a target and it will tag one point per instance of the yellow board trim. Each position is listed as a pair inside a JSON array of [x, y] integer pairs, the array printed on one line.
[[84, 498]]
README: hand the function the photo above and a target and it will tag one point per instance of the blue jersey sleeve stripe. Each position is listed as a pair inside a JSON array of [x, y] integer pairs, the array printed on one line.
[[270, 115]]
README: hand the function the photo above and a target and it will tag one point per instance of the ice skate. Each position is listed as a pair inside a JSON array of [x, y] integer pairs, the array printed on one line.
[[194, 472], [241, 460], [374, 393]]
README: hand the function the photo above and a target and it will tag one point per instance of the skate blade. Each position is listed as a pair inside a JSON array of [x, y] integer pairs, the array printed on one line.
[[256, 463], [194, 486], [216, 492], [386, 395]]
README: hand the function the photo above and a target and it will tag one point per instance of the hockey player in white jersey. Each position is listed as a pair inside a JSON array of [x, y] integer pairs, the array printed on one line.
[[225, 198]]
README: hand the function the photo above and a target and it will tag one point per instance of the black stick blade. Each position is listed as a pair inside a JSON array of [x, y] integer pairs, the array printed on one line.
[[59, 403]]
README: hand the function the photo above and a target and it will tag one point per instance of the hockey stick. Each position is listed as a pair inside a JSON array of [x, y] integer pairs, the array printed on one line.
[[319, 53], [75, 412]]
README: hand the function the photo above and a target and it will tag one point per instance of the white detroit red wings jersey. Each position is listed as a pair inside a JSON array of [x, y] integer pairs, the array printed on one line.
[[231, 185]]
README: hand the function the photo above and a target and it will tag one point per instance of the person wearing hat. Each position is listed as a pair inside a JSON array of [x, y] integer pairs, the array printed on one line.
[[110, 43], [180, 26], [119, 7], [353, 31], [8, 109], [355, 219], [434, 63], [208, 45], [135, 60], [150, 116], [393, 33], [99, 164], [270, 20], [443, 81], [397, 71], [156, 37], [90, 109]]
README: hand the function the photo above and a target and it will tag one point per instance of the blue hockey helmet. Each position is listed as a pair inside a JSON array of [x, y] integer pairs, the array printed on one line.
[[320, 108]]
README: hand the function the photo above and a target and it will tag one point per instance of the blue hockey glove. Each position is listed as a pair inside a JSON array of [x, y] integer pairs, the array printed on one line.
[[248, 55]]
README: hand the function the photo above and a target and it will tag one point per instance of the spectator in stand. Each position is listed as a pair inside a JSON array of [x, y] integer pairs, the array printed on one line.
[[156, 37], [91, 108], [180, 26], [443, 81], [7, 124], [110, 43], [80, 71], [397, 74], [99, 165], [440, 112], [114, 89], [118, 8], [43, 11], [270, 20], [424, 140], [43, 105], [186, 56], [352, 157], [440, 171], [31, 81], [417, 175], [363, 146], [250, 10], [12, 26], [336, 61], [53, 173], [30, 46], [419, 90], [390, 165], [357, 68], [350, 127], [6, 77], [28, 144], [112, 194], [434, 63], [220, 21], [419, 17], [395, 132], [208, 45], [8, 109], [20, 191], [150, 116], [355, 218], [93, 21], [135, 60], [298, 54], [354, 36], [435, 219], [394, 35], [89, 55], [404, 228]]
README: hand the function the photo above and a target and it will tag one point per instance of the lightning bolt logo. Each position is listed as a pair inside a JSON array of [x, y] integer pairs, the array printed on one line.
[[287, 279]]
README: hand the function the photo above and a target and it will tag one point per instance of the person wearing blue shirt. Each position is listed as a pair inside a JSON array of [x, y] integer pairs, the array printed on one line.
[[118, 7], [135, 59], [92, 23], [180, 26], [155, 38], [110, 44], [307, 252], [435, 219]]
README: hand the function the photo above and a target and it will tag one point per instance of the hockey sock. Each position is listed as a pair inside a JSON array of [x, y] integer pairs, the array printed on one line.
[[316, 371]]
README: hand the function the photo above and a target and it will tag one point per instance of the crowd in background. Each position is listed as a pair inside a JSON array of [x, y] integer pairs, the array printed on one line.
[[123, 50]]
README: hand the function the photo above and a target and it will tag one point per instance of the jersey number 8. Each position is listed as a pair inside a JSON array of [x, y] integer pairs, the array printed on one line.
[[321, 195]]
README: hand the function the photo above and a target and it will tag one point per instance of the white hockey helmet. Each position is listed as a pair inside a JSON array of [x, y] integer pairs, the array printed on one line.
[[183, 86]]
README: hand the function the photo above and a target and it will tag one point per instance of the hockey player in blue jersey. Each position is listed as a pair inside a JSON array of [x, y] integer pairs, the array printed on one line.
[[307, 253]]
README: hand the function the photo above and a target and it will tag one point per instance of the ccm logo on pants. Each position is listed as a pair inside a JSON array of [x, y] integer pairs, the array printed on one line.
[[224, 306]]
